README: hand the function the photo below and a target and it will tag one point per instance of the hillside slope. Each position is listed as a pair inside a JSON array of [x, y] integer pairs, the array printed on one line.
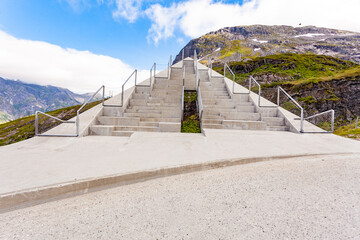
[[24, 128], [246, 42], [18, 99]]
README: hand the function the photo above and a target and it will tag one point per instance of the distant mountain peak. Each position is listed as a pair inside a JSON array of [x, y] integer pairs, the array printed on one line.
[[245, 42]]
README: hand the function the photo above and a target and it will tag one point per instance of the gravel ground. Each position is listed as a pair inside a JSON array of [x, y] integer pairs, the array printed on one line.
[[301, 198]]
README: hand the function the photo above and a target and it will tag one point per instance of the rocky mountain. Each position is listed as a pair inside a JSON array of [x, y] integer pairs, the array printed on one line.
[[246, 42], [18, 99]]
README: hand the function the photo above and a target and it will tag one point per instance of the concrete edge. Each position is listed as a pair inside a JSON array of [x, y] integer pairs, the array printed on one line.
[[31, 197]]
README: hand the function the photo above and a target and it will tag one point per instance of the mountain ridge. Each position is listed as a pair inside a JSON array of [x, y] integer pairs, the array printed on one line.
[[245, 42], [19, 99]]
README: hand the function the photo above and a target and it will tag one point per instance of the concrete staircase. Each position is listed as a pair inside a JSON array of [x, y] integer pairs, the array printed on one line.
[[221, 111], [158, 108], [149, 110]]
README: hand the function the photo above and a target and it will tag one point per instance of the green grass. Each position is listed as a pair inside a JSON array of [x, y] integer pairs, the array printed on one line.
[[191, 125], [345, 131], [298, 68], [234, 46], [24, 128]]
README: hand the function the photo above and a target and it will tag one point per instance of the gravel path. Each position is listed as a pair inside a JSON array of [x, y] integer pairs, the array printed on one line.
[[302, 198]]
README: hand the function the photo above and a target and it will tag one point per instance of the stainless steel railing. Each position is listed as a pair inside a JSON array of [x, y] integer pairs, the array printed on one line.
[[227, 67], [209, 68], [331, 111], [296, 104], [169, 68], [197, 76], [182, 103], [184, 70], [77, 121], [182, 57], [49, 135], [200, 105], [123, 90], [251, 79], [152, 72]]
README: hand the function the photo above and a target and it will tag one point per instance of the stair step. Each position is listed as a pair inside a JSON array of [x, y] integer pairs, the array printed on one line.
[[136, 128], [106, 120], [122, 133], [213, 126], [241, 116], [277, 128], [274, 121], [244, 125], [211, 121]]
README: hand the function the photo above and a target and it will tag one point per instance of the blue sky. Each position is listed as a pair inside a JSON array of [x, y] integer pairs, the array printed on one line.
[[87, 27], [82, 44]]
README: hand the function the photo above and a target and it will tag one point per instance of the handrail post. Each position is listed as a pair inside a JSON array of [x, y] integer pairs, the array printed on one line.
[[333, 120], [182, 57], [122, 95], [278, 96], [249, 85], [302, 121], [77, 124], [103, 98], [36, 123]]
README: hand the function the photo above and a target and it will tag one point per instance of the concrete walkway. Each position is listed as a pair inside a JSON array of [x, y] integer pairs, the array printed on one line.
[[298, 198], [44, 162]]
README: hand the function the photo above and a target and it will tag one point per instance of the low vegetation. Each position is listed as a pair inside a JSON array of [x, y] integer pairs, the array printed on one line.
[[24, 128], [349, 132], [294, 68], [191, 123]]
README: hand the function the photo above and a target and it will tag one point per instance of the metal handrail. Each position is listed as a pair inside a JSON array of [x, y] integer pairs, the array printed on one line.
[[169, 67], [195, 58], [184, 69], [251, 79], [322, 113], [182, 57], [296, 103], [197, 78], [227, 67], [210, 68], [77, 121], [152, 76], [182, 103], [200, 105], [50, 135]]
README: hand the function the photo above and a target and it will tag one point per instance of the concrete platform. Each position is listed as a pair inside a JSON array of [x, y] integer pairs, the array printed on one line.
[[313, 197], [48, 167]]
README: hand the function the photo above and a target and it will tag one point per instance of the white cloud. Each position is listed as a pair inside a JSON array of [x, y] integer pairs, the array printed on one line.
[[128, 9], [47, 64], [197, 17]]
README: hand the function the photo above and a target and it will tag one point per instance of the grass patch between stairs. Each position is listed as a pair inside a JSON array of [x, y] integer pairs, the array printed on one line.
[[191, 123]]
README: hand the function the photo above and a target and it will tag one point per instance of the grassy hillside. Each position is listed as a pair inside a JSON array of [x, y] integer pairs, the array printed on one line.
[[24, 128], [290, 67]]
